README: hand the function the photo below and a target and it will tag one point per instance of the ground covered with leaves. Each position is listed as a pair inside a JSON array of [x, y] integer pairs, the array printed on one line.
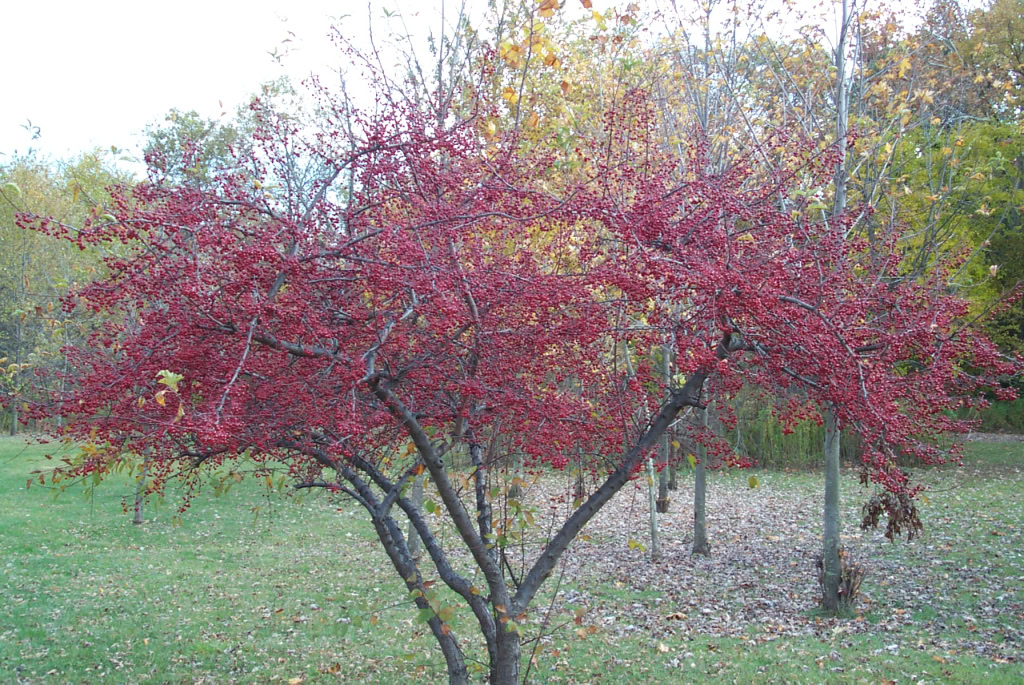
[[955, 593], [251, 587]]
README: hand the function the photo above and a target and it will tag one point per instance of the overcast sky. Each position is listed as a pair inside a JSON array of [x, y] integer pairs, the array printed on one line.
[[81, 75], [96, 73]]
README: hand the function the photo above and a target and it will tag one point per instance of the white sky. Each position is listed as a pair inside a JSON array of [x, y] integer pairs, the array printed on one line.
[[96, 73]]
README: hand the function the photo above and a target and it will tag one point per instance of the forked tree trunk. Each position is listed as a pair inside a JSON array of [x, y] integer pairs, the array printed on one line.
[[830, 552], [700, 530], [505, 668]]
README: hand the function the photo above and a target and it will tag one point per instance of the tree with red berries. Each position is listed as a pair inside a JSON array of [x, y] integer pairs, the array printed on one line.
[[447, 295]]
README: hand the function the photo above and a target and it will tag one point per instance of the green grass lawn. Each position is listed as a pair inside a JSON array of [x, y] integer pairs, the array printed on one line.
[[252, 587]]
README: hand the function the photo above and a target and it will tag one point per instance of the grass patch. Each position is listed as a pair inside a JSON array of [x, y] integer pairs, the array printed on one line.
[[252, 587]]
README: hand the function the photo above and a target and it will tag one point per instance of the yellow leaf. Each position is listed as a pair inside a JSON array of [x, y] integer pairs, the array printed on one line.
[[533, 121], [693, 460], [510, 95], [491, 130], [551, 60], [141, 401], [547, 7], [160, 398], [662, 647], [181, 412], [675, 443], [904, 67], [295, 681], [753, 482]]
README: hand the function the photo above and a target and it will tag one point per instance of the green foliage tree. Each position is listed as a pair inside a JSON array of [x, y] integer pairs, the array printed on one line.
[[36, 270]]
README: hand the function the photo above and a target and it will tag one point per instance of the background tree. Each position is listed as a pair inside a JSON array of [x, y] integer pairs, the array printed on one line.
[[36, 270]]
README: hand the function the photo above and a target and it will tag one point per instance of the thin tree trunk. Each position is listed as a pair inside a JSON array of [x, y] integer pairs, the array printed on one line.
[[413, 537], [830, 553], [665, 446], [140, 494], [663, 500], [830, 568], [740, 447], [655, 542], [673, 477], [700, 531]]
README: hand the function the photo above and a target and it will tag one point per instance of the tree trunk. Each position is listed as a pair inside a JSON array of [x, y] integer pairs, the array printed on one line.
[[830, 552], [700, 531], [663, 500], [663, 476], [740, 447], [665, 446], [830, 570], [673, 479], [654, 507], [505, 667], [414, 542], [140, 494]]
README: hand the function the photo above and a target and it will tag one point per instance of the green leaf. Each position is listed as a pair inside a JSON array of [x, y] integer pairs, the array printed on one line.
[[424, 615], [753, 482], [170, 379], [693, 461], [429, 506], [12, 189]]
